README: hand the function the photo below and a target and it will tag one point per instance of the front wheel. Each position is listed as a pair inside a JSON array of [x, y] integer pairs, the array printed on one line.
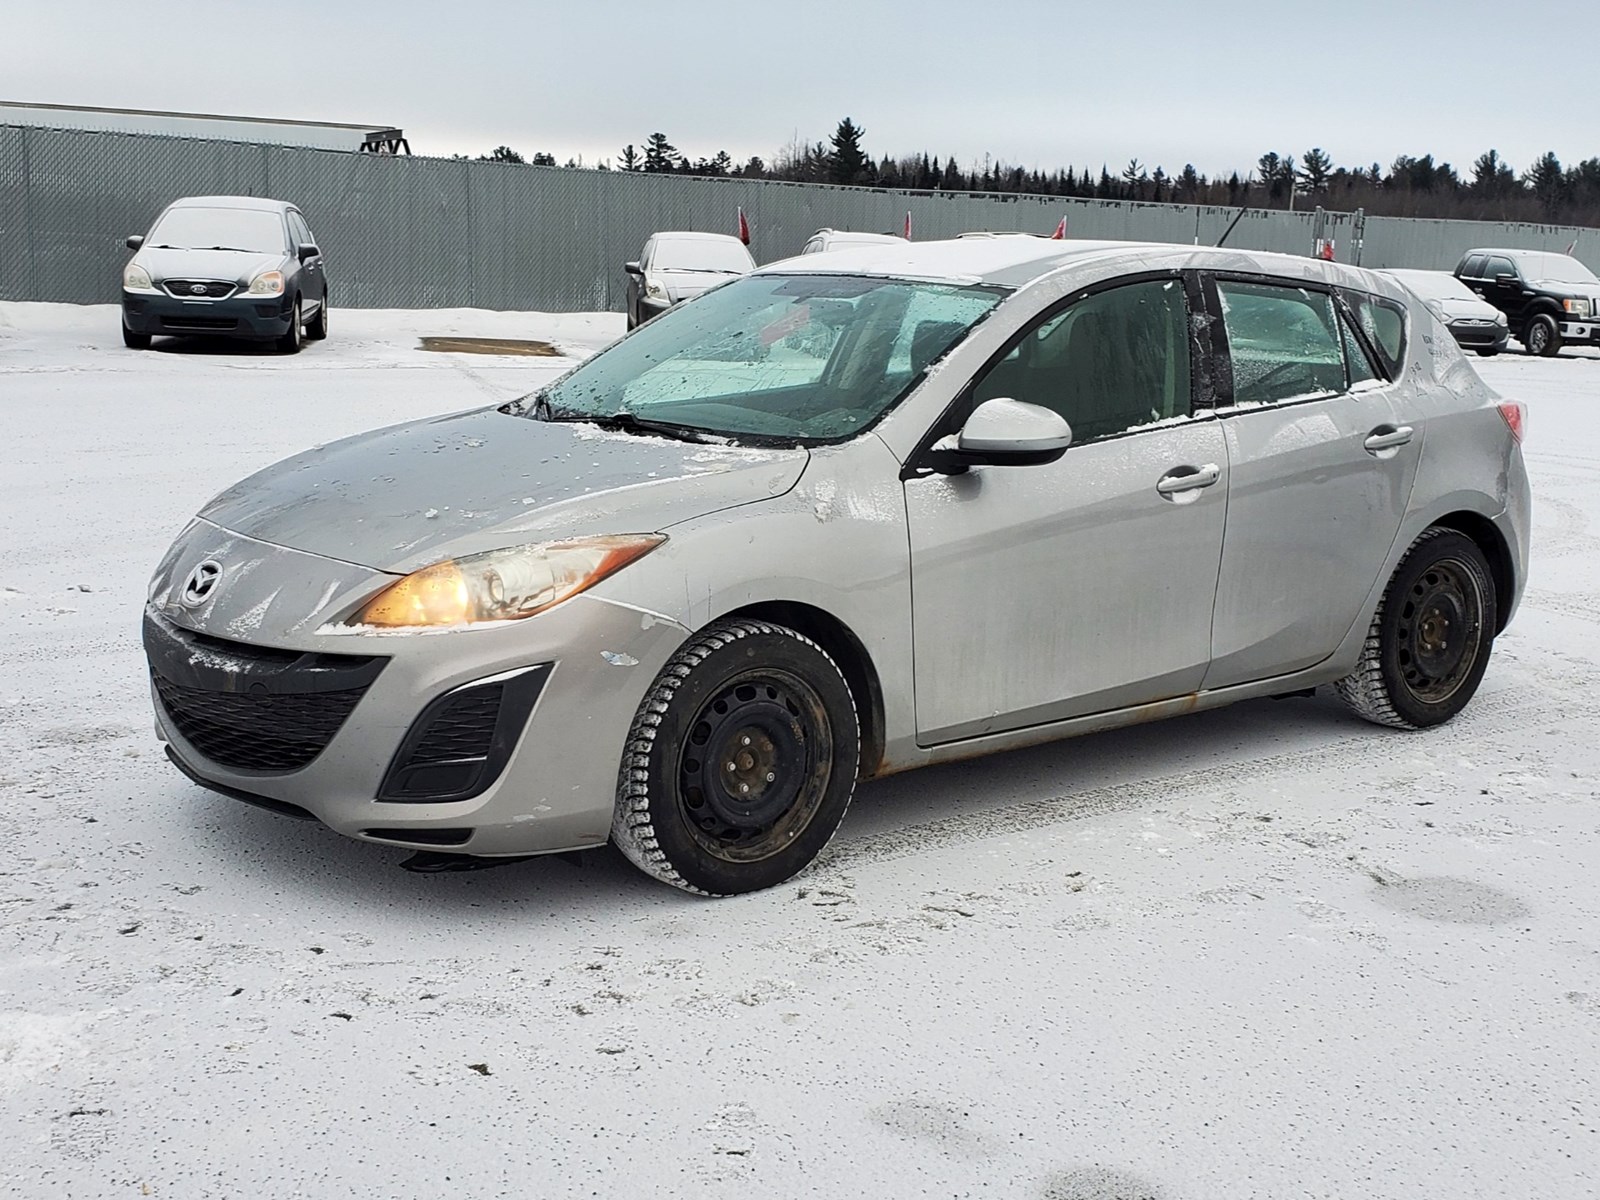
[[740, 763], [1429, 642], [1542, 336], [135, 341], [1489, 352], [289, 343]]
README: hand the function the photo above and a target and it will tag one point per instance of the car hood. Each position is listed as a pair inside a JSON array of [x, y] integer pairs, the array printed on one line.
[[1455, 308], [240, 265], [398, 499], [681, 284], [1565, 287]]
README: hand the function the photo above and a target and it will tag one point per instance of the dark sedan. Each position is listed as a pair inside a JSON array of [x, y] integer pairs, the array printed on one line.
[[226, 266]]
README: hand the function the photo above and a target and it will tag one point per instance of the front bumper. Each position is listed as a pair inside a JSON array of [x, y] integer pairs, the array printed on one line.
[[1479, 335], [1581, 331], [583, 667], [260, 317]]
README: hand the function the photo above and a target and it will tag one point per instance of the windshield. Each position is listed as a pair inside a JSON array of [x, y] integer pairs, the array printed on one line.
[[1557, 268], [774, 358], [697, 255], [253, 229], [1435, 285]]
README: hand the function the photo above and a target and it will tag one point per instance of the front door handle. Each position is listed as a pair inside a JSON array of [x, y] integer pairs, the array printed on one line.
[[1188, 479], [1387, 437]]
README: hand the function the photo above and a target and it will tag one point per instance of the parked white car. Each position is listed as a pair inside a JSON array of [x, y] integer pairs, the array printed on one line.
[[1473, 322], [679, 266], [831, 239]]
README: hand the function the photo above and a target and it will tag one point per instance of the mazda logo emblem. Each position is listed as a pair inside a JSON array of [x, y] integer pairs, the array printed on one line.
[[201, 584], [198, 289]]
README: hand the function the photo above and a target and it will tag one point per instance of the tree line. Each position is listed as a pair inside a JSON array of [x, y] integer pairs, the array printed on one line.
[[1492, 190]]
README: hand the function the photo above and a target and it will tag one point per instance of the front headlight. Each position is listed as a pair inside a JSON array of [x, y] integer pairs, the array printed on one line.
[[136, 279], [1500, 318], [1578, 308], [268, 283], [501, 585], [654, 290]]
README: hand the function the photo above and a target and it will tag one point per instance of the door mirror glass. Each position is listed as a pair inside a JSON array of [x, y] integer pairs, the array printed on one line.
[[135, 242], [1004, 432]]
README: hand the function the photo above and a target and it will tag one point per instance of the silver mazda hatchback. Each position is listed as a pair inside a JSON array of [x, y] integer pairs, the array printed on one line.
[[850, 514]]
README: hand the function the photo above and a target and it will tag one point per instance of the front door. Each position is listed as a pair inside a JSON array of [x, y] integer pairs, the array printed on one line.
[[1086, 584], [1322, 466]]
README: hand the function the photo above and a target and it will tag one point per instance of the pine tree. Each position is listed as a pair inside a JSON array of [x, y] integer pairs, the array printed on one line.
[[503, 154], [660, 155], [1315, 167], [630, 160], [848, 163]]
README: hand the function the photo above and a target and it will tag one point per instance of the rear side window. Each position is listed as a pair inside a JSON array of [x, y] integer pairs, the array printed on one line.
[[1384, 323], [1284, 342]]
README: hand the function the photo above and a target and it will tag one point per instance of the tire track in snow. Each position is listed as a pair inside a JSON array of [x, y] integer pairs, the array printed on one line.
[[1482, 719]]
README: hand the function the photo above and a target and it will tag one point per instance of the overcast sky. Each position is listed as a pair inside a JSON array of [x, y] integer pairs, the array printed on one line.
[[1032, 82]]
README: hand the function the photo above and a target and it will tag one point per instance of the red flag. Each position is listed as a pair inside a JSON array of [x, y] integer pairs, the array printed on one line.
[[1060, 235], [744, 228], [907, 234]]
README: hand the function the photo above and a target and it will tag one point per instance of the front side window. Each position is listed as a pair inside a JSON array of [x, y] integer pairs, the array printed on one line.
[[1284, 342], [1500, 266], [1110, 363], [254, 230], [302, 231], [784, 358]]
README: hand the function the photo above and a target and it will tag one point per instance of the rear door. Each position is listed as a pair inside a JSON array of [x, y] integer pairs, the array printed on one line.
[[1321, 467], [1054, 590]]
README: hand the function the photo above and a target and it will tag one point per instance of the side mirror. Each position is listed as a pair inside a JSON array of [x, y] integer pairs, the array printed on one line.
[[632, 268], [1506, 280], [307, 252], [135, 242], [1004, 433]]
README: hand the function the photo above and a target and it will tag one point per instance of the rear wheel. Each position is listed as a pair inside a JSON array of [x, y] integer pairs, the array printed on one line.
[[135, 341], [1429, 642], [289, 343], [1542, 336], [317, 327], [741, 761]]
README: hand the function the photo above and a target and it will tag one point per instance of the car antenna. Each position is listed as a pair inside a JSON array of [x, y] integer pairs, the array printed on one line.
[[1243, 208]]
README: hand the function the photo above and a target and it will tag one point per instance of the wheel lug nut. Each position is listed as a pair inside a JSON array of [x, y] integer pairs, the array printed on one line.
[[770, 776], [744, 787], [730, 766], [745, 741]]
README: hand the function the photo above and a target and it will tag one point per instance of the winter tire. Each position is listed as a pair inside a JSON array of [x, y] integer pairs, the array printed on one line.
[[317, 328], [289, 343], [740, 763], [1429, 642], [1543, 336], [135, 341], [1487, 353]]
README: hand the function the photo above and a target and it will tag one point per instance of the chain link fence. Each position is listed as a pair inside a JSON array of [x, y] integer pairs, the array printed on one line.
[[404, 232]]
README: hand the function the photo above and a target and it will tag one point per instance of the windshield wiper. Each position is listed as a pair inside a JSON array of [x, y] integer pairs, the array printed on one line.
[[627, 422], [240, 249]]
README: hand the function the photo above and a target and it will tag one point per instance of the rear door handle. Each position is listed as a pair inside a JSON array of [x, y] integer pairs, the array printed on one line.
[[1188, 479], [1387, 437]]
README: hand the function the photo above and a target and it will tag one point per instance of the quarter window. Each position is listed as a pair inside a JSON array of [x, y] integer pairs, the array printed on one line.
[[1110, 363], [1384, 323], [1284, 342]]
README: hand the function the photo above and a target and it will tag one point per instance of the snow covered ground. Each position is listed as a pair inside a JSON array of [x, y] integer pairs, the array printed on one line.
[[1264, 952]]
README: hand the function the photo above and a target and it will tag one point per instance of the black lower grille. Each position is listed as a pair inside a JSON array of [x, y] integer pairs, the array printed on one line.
[[256, 732], [460, 742], [187, 322]]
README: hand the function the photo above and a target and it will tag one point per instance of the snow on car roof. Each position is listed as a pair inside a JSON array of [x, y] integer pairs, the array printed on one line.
[[685, 235], [1015, 261], [254, 202]]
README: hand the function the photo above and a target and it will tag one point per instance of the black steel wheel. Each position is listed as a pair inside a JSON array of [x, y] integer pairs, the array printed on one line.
[[1429, 643], [290, 342], [741, 761], [1542, 336]]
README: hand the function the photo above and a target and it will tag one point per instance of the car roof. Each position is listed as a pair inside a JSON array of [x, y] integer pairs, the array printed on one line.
[[1518, 253], [859, 235], [258, 203], [685, 235], [1014, 262]]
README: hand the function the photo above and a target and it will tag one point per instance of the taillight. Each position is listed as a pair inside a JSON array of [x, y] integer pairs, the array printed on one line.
[[1516, 416]]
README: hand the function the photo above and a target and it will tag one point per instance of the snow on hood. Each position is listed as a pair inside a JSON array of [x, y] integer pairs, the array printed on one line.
[[242, 265], [401, 498], [684, 284]]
